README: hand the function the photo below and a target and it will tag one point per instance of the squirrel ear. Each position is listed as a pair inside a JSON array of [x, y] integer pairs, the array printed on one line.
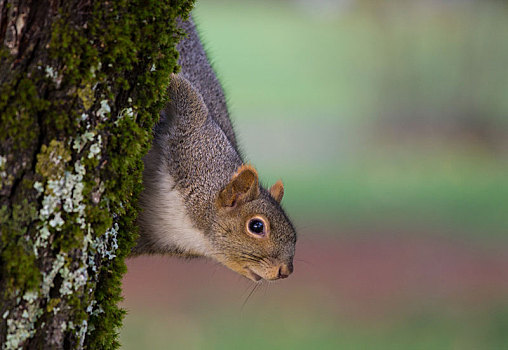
[[277, 190], [243, 187]]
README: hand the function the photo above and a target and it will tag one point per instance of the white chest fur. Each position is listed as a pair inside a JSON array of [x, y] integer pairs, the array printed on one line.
[[164, 217]]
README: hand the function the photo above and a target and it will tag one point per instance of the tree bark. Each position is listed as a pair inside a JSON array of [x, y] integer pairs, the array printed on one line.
[[81, 84]]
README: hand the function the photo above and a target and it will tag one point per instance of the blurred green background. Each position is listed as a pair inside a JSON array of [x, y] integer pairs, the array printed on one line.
[[388, 123]]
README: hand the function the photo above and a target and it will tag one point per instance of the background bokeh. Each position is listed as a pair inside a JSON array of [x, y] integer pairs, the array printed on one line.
[[388, 123]]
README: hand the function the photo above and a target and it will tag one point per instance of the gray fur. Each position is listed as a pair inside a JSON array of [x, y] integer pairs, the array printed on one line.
[[197, 69], [202, 159], [193, 158]]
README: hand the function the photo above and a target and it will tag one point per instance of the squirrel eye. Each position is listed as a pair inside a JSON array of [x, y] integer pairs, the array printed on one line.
[[257, 227]]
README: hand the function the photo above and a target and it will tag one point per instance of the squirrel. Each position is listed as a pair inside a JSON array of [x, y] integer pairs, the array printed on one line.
[[200, 199]]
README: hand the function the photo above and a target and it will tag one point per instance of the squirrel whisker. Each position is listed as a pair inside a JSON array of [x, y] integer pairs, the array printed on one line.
[[254, 288]]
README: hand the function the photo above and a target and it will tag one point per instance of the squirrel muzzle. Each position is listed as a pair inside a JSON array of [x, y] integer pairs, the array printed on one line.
[[268, 269], [272, 273]]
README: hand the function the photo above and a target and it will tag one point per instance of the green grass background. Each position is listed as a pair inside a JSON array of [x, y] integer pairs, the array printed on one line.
[[314, 328]]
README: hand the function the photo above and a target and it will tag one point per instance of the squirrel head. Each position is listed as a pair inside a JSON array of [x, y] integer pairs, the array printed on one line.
[[251, 234]]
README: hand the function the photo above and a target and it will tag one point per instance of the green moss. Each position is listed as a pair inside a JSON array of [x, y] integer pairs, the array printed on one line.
[[130, 136], [19, 102], [18, 263], [24, 212], [17, 259], [53, 302], [52, 159], [4, 214], [87, 96]]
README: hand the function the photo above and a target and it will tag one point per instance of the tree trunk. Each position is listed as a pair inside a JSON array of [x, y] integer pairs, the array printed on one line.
[[81, 84]]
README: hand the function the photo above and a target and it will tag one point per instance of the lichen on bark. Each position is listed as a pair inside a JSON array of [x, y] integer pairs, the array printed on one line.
[[78, 99]]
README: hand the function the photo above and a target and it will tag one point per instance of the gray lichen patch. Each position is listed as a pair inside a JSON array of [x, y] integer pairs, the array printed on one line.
[[21, 327], [95, 148], [104, 110], [52, 73], [21, 324], [107, 244], [6, 179], [81, 140], [62, 194], [63, 199], [3, 161]]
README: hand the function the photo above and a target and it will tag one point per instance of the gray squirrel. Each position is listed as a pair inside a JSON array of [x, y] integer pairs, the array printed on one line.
[[199, 198]]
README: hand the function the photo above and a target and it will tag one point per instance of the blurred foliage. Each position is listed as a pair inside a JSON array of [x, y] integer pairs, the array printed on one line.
[[409, 58]]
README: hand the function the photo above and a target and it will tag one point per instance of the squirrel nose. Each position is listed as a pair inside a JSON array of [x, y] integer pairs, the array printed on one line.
[[285, 270]]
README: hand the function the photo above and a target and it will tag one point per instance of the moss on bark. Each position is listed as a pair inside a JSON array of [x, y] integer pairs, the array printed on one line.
[[81, 87]]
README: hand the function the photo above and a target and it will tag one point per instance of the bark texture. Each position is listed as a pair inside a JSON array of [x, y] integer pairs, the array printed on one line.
[[81, 84]]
